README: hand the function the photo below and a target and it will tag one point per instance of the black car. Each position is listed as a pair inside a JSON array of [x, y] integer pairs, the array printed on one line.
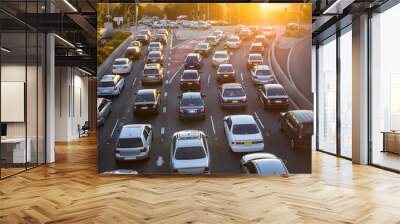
[[133, 53], [155, 57], [203, 49], [191, 105], [192, 61], [256, 48], [225, 73], [273, 96], [147, 101], [298, 126], [136, 43], [190, 80], [142, 38]]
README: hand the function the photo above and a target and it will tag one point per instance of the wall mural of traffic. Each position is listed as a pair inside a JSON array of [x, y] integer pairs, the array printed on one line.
[[204, 88]]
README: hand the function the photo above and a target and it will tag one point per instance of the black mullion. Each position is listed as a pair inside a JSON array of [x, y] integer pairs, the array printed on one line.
[[369, 89], [37, 91], [0, 93], [317, 96], [338, 93], [26, 87]]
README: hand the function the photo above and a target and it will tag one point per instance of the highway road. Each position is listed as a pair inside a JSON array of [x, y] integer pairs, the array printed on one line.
[[223, 160]]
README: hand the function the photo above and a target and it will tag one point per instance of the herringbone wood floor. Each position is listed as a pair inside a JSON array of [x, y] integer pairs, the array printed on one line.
[[70, 191]]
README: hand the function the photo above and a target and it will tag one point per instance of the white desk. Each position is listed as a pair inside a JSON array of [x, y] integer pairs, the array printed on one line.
[[19, 153]]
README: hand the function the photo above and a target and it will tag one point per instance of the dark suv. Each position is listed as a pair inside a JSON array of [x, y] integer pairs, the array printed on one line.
[[193, 61], [298, 126]]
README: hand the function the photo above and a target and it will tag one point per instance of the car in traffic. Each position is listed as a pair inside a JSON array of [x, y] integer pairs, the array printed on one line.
[[142, 38], [255, 29], [192, 106], [233, 42], [136, 43], [269, 32], [152, 73], [219, 33], [245, 34], [110, 85], [147, 101], [273, 96], [232, 96], [190, 152], [243, 133], [254, 60], [256, 48], [203, 48], [134, 142], [212, 40], [133, 53], [262, 40], [104, 108], [160, 37], [263, 164], [122, 66], [225, 73], [239, 27], [155, 57], [145, 32], [163, 31], [155, 46], [193, 61], [262, 74], [221, 57], [190, 80], [298, 125]]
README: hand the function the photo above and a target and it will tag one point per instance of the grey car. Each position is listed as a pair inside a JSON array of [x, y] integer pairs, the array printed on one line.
[[134, 142], [263, 164], [104, 108], [110, 85], [232, 96]]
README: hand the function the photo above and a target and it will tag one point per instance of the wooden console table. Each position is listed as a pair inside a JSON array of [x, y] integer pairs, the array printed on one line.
[[391, 141]]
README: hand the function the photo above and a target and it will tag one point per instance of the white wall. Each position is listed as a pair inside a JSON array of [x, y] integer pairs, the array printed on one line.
[[71, 102]]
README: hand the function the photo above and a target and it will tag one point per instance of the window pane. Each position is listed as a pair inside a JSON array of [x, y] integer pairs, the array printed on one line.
[[346, 94], [327, 96]]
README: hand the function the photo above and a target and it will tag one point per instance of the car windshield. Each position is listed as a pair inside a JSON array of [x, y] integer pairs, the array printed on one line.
[[210, 38], [120, 62], [245, 129], [129, 143], [259, 39], [145, 97], [189, 75], [255, 57], [140, 36], [233, 39], [154, 55], [107, 84], [131, 50], [234, 92], [220, 55], [202, 46], [154, 45], [187, 153], [264, 72], [150, 71], [225, 69], [276, 92], [269, 166], [191, 101], [256, 48], [191, 59]]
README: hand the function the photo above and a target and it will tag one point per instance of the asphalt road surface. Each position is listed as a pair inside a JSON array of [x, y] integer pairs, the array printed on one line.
[[223, 160]]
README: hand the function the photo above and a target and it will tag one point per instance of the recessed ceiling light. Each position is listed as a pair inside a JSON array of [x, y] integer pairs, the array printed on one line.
[[5, 50]]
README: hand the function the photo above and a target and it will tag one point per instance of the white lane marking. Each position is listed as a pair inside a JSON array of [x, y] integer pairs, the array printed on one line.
[[258, 119], [169, 64], [172, 39], [212, 124], [208, 80], [164, 110], [241, 76], [172, 78], [133, 83], [115, 126], [162, 130], [165, 94], [160, 161]]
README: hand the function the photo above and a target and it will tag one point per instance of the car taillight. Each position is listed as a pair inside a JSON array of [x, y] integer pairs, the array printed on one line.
[[154, 105], [226, 101], [243, 100], [142, 149], [175, 170], [236, 143], [135, 107], [99, 117], [202, 110], [206, 169], [286, 100], [116, 150], [180, 110], [269, 101]]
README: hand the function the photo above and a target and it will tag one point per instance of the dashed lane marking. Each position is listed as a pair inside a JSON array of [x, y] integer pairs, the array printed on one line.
[[115, 126], [162, 131], [172, 78], [133, 83], [212, 124], [165, 94], [164, 110]]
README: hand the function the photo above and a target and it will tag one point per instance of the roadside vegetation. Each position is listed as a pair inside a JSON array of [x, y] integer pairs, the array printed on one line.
[[105, 48]]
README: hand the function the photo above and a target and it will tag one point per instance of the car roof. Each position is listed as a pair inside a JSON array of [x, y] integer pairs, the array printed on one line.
[[225, 65], [151, 66], [256, 44], [191, 95], [190, 71], [193, 55], [268, 165], [231, 85], [153, 52], [303, 116], [221, 52], [188, 138], [131, 131], [122, 59], [155, 42], [146, 91], [203, 43], [242, 119], [263, 67], [273, 86], [107, 78], [255, 55]]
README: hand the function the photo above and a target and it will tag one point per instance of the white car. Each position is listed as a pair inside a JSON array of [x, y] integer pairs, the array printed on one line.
[[233, 42], [122, 66], [110, 85], [134, 142], [221, 57], [219, 33], [243, 133], [155, 46], [212, 40], [263, 164], [262, 74], [189, 152]]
